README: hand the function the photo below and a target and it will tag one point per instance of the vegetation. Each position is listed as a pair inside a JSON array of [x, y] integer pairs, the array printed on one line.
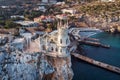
[[2, 23], [101, 8], [32, 14], [10, 24], [17, 19]]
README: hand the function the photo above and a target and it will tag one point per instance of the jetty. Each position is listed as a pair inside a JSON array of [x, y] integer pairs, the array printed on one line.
[[97, 63], [97, 44], [91, 39]]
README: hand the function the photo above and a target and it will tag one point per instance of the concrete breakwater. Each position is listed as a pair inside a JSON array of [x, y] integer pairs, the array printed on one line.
[[97, 63], [97, 44]]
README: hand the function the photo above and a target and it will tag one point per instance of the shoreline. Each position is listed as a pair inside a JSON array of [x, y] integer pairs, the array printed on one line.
[[99, 54], [89, 34]]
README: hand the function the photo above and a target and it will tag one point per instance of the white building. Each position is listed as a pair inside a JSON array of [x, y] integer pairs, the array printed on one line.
[[62, 17], [44, 19], [56, 43], [60, 3], [26, 24], [18, 43], [71, 11], [44, 1], [41, 8], [49, 1], [108, 0], [17, 16]]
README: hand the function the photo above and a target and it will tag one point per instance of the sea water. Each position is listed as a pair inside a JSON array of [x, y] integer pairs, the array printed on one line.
[[85, 71]]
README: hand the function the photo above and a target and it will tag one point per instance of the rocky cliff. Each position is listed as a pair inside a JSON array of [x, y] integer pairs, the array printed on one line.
[[17, 65], [62, 68]]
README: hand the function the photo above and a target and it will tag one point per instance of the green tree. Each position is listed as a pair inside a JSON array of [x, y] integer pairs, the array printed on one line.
[[10, 24], [2, 23], [32, 14]]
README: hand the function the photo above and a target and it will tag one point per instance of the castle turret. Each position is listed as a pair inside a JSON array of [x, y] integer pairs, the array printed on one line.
[[63, 40]]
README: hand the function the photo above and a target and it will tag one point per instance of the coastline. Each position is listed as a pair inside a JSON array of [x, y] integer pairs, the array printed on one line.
[[110, 56], [89, 34]]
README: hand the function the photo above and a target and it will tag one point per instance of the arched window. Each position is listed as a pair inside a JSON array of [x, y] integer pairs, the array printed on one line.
[[61, 50], [44, 47], [56, 49], [66, 51], [66, 41], [52, 40], [61, 41], [52, 48]]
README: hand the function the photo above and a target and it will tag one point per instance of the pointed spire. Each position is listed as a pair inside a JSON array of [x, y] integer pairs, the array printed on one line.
[[60, 23], [64, 25], [57, 24], [67, 24]]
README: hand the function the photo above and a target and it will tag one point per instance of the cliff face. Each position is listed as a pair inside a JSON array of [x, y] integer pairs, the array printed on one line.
[[18, 65], [23, 66], [62, 68]]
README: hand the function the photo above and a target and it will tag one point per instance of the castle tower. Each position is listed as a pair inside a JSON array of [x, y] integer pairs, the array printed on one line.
[[63, 40]]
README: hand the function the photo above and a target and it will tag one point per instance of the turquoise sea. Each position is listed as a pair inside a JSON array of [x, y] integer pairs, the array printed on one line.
[[86, 71]]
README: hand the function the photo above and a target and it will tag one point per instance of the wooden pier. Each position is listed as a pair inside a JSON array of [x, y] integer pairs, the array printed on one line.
[[97, 63]]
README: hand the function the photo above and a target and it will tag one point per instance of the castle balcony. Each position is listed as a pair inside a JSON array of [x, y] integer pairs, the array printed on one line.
[[56, 54], [63, 45]]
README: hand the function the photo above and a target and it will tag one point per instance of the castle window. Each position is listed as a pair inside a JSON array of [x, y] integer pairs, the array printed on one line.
[[52, 48], [56, 49], [52, 40], [61, 50], [66, 51], [60, 40], [44, 48], [66, 41]]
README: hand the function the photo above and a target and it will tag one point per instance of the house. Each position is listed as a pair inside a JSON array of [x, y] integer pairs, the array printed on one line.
[[18, 43], [49, 1], [44, 19], [17, 16], [62, 16], [41, 8], [71, 11], [108, 0], [60, 3], [26, 24]]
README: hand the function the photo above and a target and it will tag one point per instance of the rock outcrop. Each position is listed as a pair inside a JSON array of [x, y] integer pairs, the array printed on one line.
[[17, 65], [62, 66], [23, 66]]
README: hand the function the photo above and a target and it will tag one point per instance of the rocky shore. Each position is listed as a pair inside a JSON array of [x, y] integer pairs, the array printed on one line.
[[109, 24], [17, 64]]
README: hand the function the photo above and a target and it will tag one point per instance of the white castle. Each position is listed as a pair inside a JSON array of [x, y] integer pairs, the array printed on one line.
[[56, 43]]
